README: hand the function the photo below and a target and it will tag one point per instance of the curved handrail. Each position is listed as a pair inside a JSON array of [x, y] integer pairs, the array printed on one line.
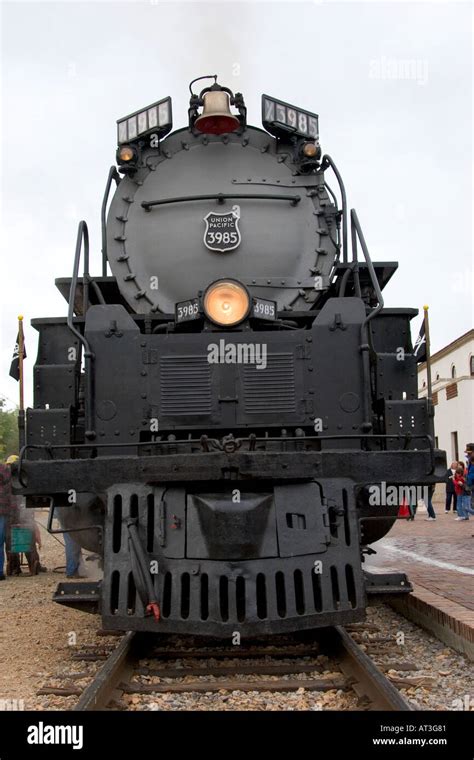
[[325, 162], [83, 236], [113, 174], [356, 232]]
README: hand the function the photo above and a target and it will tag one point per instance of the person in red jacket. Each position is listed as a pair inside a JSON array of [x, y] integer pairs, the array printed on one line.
[[463, 498]]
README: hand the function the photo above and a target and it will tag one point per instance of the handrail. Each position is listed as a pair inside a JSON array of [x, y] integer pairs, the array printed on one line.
[[352, 268], [98, 292], [113, 174], [325, 162], [221, 197], [407, 438], [83, 235], [356, 233], [49, 523]]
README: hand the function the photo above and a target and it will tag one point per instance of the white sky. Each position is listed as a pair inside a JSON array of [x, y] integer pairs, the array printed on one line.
[[392, 83]]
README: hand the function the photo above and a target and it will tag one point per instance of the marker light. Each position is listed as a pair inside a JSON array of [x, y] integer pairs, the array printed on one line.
[[126, 153], [310, 150], [226, 302]]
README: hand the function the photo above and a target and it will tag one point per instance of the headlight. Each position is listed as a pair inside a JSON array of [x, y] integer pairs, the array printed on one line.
[[226, 302]]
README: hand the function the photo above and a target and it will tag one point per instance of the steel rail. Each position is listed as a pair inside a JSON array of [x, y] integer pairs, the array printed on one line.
[[369, 680], [359, 671], [98, 693]]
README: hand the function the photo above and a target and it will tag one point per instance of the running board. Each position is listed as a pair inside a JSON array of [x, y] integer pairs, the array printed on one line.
[[386, 583], [85, 596]]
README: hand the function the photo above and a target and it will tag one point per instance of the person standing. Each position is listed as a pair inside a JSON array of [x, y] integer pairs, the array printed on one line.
[[470, 477], [429, 506], [8, 512], [463, 497], [73, 557], [21, 517], [74, 560], [26, 519], [450, 492], [5, 510]]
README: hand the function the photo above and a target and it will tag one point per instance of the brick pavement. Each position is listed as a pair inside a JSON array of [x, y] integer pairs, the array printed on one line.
[[438, 557], [443, 540]]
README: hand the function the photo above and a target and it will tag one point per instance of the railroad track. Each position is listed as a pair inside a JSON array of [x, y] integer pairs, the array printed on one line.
[[283, 667]]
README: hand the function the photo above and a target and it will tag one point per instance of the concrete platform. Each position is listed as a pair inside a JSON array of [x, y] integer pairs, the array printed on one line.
[[438, 557]]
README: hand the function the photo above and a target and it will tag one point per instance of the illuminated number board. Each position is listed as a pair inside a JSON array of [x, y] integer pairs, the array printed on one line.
[[281, 119], [187, 310], [155, 118], [263, 309]]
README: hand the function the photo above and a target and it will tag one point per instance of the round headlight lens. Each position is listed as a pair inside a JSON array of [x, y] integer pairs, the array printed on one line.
[[126, 153], [226, 302], [310, 149]]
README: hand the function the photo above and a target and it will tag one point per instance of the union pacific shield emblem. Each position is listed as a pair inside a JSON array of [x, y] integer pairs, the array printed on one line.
[[222, 230]]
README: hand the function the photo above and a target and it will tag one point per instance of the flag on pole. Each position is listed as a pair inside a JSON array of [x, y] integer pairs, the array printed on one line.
[[15, 365], [16, 371], [419, 349]]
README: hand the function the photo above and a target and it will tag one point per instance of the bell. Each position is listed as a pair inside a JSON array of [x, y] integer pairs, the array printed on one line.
[[216, 118]]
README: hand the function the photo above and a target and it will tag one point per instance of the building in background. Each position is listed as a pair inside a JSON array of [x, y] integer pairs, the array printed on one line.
[[452, 373]]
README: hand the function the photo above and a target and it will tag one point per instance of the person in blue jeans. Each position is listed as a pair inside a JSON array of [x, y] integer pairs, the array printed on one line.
[[429, 506], [74, 562], [73, 557], [470, 477], [463, 498], [464, 507]]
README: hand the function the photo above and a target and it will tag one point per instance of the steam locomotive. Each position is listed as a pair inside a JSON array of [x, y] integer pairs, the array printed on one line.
[[212, 414]]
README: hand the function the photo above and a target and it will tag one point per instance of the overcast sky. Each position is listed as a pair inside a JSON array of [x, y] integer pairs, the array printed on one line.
[[392, 83]]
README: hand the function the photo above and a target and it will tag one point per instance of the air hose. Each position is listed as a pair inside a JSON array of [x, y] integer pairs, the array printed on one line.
[[141, 573]]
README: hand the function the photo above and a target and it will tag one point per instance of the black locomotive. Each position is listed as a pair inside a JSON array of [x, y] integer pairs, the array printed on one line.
[[211, 416]]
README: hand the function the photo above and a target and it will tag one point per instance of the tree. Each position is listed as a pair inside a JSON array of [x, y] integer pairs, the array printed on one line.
[[9, 443]]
